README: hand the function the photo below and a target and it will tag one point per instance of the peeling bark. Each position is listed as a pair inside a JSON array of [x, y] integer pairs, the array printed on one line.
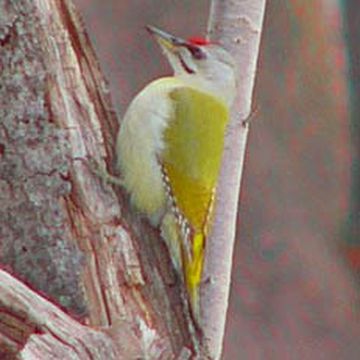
[[34, 328], [62, 232]]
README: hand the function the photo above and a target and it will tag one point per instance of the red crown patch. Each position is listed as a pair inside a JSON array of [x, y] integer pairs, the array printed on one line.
[[197, 40]]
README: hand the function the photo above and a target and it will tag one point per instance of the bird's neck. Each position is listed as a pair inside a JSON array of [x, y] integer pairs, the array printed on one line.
[[217, 87]]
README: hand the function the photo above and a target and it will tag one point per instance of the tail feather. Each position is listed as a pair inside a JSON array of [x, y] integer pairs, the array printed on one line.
[[170, 233], [188, 265], [193, 272]]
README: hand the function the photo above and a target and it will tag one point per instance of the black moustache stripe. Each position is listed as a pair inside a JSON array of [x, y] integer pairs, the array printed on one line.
[[184, 65]]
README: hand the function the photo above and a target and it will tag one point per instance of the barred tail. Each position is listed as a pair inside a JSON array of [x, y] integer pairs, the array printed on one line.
[[187, 255], [170, 233]]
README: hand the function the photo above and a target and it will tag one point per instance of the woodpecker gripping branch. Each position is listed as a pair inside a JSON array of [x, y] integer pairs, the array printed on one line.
[[170, 145]]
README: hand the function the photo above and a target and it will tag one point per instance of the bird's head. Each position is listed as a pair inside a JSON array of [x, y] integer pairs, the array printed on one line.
[[199, 62]]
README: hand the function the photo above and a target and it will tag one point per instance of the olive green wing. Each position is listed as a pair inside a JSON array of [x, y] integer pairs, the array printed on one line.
[[192, 156], [194, 140]]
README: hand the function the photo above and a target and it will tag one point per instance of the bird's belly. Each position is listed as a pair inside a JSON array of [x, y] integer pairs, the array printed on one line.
[[142, 174]]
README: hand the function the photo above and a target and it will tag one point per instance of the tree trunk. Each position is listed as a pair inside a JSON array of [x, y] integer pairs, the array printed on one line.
[[61, 232]]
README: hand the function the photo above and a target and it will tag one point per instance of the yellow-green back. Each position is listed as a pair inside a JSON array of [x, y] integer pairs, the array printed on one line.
[[194, 142]]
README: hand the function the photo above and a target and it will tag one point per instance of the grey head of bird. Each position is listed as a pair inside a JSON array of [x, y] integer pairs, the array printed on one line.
[[199, 63]]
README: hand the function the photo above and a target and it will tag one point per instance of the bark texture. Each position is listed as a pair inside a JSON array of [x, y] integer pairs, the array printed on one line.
[[62, 232]]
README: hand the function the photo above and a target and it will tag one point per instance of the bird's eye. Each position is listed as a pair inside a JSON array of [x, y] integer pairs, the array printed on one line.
[[196, 52]]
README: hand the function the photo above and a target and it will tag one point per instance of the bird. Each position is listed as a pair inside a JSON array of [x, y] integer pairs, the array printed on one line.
[[169, 149]]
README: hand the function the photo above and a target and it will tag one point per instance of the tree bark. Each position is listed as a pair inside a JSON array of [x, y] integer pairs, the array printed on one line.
[[238, 25], [34, 328], [63, 232]]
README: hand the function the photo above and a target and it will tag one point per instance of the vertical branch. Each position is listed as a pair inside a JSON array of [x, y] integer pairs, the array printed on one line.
[[237, 25]]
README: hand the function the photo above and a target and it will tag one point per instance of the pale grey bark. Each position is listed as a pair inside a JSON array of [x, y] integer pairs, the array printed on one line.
[[236, 24]]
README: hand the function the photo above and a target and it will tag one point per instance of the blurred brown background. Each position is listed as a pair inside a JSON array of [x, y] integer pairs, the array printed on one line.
[[294, 290]]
